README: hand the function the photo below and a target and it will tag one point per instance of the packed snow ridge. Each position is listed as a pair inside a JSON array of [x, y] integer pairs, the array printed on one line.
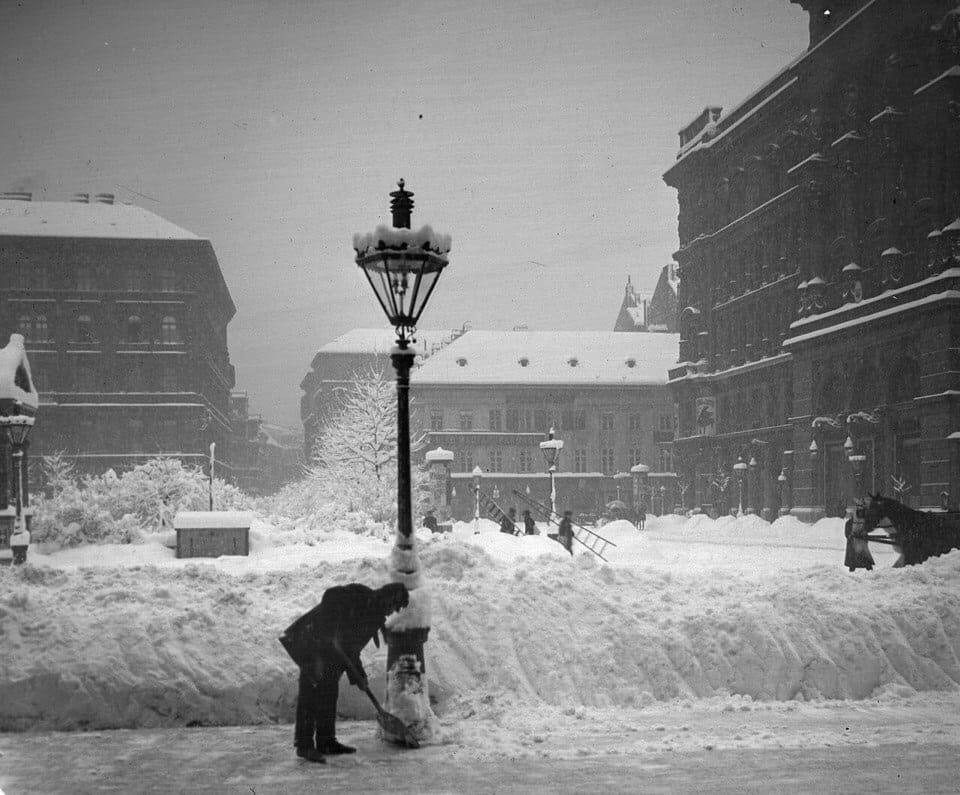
[[105, 636]]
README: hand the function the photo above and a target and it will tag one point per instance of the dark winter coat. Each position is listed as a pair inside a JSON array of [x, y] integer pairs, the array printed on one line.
[[430, 522], [348, 616], [858, 549], [507, 525], [529, 526], [566, 533]]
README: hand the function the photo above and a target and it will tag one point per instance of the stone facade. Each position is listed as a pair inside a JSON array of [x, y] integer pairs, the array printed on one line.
[[125, 317], [820, 271]]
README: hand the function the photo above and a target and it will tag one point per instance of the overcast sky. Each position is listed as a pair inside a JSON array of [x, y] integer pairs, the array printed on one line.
[[533, 132]]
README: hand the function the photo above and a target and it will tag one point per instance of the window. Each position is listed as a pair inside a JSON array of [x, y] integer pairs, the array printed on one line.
[[135, 432], [436, 420], [25, 326], [636, 456], [666, 422], [84, 329], [85, 280], [607, 462], [41, 276], [134, 331], [513, 419], [541, 420], [524, 461], [580, 420], [466, 421], [133, 278], [636, 423], [468, 464], [606, 421], [579, 460], [169, 380], [496, 420], [496, 460], [168, 330], [168, 278]]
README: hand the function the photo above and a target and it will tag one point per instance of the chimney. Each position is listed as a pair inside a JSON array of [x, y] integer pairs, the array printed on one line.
[[83, 198], [17, 195], [104, 198], [826, 16]]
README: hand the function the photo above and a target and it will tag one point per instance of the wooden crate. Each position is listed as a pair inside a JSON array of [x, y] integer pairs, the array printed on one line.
[[210, 534]]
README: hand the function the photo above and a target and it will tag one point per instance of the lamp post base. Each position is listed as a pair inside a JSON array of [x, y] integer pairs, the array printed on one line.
[[408, 694]]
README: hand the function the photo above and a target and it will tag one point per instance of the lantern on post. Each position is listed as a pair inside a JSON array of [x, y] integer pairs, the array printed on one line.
[[18, 407], [551, 449], [403, 267]]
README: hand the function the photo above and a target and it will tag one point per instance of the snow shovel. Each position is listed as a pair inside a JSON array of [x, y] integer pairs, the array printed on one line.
[[390, 723]]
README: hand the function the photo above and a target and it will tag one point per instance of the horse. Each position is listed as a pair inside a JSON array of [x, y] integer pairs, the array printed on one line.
[[916, 535]]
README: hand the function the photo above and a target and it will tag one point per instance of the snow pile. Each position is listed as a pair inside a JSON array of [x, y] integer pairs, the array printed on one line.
[[96, 637]]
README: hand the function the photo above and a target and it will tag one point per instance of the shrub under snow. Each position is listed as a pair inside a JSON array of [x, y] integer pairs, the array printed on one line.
[[118, 508]]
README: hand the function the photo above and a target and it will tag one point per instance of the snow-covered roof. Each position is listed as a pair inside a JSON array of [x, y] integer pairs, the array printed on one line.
[[552, 357], [12, 358], [382, 340], [80, 219], [211, 519]]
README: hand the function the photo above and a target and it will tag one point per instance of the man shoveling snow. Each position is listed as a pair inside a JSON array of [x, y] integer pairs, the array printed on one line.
[[325, 643]]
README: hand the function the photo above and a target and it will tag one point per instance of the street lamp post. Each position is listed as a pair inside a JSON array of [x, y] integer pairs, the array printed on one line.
[[551, 449], [403, 267], [17, 428], [477, 477], [857, 463], [740, 469]]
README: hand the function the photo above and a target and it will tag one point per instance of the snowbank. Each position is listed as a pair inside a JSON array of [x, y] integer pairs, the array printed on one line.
[[97, 638]]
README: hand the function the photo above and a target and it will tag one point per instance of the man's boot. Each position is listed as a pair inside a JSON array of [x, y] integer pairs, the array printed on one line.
[[311, 755], [331, 746]]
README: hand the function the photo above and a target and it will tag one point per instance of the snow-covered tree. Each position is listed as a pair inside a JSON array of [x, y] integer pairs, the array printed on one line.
[[355, 457]]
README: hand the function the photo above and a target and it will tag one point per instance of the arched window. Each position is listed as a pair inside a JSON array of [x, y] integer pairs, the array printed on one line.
[[168, 330], [85, 332], [134, 329]]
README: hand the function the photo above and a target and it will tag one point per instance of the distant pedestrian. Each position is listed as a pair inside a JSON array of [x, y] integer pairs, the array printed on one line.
[[19, 542], [430, 522], [565, 534], [324, 643], [641, 518], [858, 549], [508, 524], [529, 526]]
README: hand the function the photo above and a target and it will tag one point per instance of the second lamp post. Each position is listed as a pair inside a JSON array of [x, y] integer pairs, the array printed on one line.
[[551, 449]]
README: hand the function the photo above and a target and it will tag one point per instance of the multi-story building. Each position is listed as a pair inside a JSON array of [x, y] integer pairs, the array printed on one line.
[[820, 269], [657, 314], [490, 397], [264, 456], [350, 356], [125, 317]]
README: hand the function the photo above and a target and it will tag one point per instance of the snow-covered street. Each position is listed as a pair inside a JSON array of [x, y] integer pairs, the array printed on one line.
[[849, 747]]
